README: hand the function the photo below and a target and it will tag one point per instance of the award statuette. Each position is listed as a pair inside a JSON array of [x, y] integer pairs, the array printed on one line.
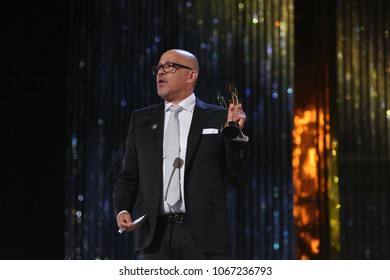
[[230, 129]]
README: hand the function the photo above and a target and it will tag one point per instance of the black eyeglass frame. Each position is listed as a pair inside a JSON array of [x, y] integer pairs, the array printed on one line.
[[172, 65]]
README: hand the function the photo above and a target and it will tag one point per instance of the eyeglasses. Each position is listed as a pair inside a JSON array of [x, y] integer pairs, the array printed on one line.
[[169, 67]]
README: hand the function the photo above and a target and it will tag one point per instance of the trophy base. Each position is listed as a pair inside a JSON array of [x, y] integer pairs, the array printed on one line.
[[231, 130]]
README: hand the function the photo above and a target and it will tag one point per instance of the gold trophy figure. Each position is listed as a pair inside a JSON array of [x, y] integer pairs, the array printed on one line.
[[230, 129]]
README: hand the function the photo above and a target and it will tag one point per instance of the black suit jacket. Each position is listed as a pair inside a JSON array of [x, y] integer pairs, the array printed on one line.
[[211, 163]]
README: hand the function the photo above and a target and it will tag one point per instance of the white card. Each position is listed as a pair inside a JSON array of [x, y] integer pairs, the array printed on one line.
[[139, 219]]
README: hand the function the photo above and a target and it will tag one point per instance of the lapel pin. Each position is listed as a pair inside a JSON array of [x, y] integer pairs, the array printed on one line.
[[154, 126]]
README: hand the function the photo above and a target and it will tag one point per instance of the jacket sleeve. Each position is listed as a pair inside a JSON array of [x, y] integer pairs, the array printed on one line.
[[237, 159], [126, 186]]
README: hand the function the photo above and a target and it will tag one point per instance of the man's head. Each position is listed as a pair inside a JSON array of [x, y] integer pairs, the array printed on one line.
[[176, 75]]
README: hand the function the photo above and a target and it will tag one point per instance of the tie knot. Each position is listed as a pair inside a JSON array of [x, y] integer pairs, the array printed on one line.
[[175, 108]]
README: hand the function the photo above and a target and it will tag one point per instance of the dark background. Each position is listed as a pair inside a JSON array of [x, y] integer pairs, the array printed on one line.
[[33, 75]]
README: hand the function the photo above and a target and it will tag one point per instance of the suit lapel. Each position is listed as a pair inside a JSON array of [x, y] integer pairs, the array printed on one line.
[[199, 120], [154, 132]]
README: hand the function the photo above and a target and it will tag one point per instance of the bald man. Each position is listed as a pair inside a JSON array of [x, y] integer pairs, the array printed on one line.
[[197, 225]]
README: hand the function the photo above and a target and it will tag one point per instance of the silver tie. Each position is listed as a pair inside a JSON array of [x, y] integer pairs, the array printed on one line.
[[173, 162]]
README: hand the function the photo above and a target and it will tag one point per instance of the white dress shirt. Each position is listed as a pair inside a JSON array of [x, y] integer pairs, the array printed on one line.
[[185, 118]]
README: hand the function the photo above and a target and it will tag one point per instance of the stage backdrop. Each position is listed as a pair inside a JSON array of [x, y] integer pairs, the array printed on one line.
[[318, 112], [341, 129], [112, 47], [362, 101]]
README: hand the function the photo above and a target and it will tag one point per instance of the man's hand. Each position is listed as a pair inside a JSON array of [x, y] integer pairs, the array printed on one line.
[[236, 114], [125, 223]]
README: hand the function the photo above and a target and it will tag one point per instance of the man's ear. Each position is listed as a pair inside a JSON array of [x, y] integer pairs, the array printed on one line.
[[193, 76]]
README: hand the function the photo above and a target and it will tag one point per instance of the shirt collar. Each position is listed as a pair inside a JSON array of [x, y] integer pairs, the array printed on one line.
[[188, 104]]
